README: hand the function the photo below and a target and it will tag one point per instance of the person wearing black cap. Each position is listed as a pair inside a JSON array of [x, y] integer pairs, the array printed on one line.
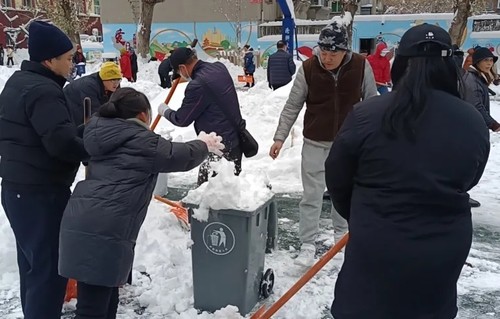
[[164, 70], [211, 102], [477, 79], [40, 155], [329, 83], [280, 67], [399, 172]]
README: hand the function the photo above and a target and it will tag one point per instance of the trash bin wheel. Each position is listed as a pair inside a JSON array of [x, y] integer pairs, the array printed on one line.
[[267, 283]]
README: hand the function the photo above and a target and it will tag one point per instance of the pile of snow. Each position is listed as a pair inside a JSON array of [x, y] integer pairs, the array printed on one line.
[[246, 192]]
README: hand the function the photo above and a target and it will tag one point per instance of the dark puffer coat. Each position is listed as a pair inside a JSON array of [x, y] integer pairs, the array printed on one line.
[[407, 207], [88, 86], [105, 213], [212, 105], [280, 68], [477, 94]]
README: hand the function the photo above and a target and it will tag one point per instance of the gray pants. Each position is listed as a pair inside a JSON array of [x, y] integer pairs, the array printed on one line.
[[314, 155]]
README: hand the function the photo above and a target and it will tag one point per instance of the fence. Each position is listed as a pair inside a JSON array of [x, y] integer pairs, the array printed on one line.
[[236, 58]]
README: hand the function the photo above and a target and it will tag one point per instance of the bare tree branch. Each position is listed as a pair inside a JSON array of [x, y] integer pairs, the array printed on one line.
[[67, 15]]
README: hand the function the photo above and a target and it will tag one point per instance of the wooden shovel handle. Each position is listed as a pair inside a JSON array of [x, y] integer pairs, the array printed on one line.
[[167, 100], [303, 280]]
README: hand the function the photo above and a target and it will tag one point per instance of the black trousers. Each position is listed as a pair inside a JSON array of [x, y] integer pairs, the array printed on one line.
[[250, 84], [35, 218], [96, 302], [235, 155], [165, 82]]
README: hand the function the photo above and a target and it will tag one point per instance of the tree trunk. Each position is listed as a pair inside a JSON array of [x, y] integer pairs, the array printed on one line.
[[301, 7], [350, 6], [75, 38], [144, 34], [459, 23]]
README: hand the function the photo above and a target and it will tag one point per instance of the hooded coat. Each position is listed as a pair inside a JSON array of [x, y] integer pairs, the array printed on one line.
[[105, 213], [380, 65]]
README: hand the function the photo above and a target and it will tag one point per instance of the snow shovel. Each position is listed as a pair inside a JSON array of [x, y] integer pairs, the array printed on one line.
[[71, 285], [178, 210], [172, 90], [262, 313]]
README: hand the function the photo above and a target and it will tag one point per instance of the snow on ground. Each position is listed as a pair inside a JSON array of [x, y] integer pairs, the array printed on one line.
[[162, 247]]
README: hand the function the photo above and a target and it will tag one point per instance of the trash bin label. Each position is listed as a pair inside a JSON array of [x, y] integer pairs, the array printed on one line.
[[218, 238]]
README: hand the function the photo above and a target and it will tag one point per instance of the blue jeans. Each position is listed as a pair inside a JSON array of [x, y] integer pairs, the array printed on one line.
[[35, 218], [382, 89]]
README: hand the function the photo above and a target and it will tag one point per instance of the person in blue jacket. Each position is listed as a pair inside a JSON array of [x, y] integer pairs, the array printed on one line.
[[280, 67], [249, 65]]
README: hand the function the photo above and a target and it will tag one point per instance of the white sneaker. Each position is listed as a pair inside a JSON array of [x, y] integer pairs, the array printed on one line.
[[306, 255]]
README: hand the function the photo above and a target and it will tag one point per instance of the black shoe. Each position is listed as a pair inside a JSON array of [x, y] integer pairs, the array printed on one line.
[[474, 203], [326, 196]]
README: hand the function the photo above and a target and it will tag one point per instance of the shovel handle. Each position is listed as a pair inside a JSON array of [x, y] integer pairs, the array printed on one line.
[[260, 314], [167, 100]]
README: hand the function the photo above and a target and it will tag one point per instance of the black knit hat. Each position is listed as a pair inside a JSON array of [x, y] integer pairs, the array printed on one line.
[[46, 41], [481, 53], [411, 44], [333, 37], [180, 56]]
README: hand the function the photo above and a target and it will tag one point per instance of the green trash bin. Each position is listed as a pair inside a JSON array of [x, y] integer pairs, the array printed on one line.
[[228, 255]]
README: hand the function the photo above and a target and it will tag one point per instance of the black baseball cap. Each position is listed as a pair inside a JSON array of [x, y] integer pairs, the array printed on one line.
[[180, 56], [412, 40]]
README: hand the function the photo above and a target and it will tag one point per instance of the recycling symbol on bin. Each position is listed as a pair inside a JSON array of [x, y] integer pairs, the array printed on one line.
[[218, 238]]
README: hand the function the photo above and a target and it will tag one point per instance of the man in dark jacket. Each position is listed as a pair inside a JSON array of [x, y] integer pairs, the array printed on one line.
[[212, 105], [40, 155], [98, 87], [164, 72], [280, 67]]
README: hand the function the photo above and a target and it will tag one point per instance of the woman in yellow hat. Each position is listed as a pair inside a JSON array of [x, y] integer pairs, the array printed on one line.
[[97, 86]]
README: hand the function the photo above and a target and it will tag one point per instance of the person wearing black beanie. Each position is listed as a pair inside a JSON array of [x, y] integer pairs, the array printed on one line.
[[41, 153]]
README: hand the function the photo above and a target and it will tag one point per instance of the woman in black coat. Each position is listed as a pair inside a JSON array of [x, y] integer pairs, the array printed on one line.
[[102, 220], [399, 171]]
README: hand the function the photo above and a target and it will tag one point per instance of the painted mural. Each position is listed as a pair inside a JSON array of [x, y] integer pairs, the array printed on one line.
[[218, 39], [215, 39]]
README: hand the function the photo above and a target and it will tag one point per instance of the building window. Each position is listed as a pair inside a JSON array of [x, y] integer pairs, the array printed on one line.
[[97, 7], [337, 6], [8, 3], [28, 3], [81, 7], [319, 3]]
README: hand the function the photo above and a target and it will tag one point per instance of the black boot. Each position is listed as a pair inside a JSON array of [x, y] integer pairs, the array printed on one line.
[[474, 203]]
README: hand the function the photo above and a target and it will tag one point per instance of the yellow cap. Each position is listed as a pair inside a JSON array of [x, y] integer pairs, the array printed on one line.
[[110, 71]]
